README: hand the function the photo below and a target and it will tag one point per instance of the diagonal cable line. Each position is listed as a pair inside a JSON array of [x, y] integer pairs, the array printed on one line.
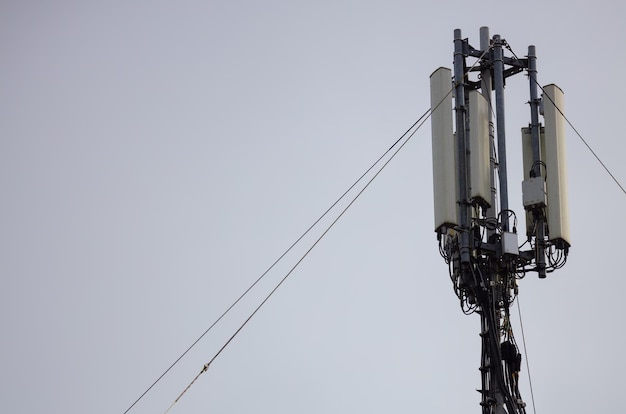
[[419, 124], [420, 121], [583, 140], [307, 231], [208, 364], [532, 394]]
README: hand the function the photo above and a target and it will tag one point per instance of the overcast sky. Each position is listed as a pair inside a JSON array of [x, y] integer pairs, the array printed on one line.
[[157, 156]]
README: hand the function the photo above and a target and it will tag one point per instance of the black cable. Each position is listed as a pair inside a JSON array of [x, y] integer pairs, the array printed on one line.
[[421, 119], [491, 315], [521, 324], [582, 139], [574, 129], [207, 365]]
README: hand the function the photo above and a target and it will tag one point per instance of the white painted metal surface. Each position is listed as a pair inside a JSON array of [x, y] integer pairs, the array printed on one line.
[[480, 186], [443, 149], [556, 165]]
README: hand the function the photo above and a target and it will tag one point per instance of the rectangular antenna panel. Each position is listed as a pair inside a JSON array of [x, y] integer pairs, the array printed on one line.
[[556, 167], [527, 152], [443, 148], [527, 164], [480, 169]]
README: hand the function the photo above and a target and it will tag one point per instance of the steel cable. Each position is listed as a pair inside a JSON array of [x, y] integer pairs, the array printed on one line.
[[307, 231], [414, 128]]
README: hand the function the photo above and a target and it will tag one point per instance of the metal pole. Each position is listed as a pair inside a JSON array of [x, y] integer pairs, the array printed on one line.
[[535, 132], [534, 109], [490, 308], [459, 81], [498, 74], [485, 88], [486, 368]]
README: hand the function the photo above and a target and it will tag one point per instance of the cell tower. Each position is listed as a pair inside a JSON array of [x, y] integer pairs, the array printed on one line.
[[478, 239]]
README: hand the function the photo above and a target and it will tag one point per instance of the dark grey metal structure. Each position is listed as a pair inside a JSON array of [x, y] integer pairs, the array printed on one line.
[[481, 249]]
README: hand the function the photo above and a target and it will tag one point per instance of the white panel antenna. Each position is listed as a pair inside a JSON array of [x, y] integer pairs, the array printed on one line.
[[556, 166], [527, 152], [443, 149], [480, 168], [530, 184], [479, 245]]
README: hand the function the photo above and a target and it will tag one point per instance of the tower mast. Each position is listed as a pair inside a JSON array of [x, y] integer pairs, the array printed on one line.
[[477, 238]]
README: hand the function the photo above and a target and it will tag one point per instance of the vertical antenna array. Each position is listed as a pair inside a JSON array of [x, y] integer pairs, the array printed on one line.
[[477, 238]]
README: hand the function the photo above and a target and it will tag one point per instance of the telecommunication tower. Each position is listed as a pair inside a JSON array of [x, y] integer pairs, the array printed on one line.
[[476, 230]]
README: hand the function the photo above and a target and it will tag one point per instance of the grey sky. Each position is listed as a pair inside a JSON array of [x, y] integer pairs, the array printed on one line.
[[156, 157]]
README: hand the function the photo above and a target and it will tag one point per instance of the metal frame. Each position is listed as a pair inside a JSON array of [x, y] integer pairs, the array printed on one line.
[[482, 251]]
